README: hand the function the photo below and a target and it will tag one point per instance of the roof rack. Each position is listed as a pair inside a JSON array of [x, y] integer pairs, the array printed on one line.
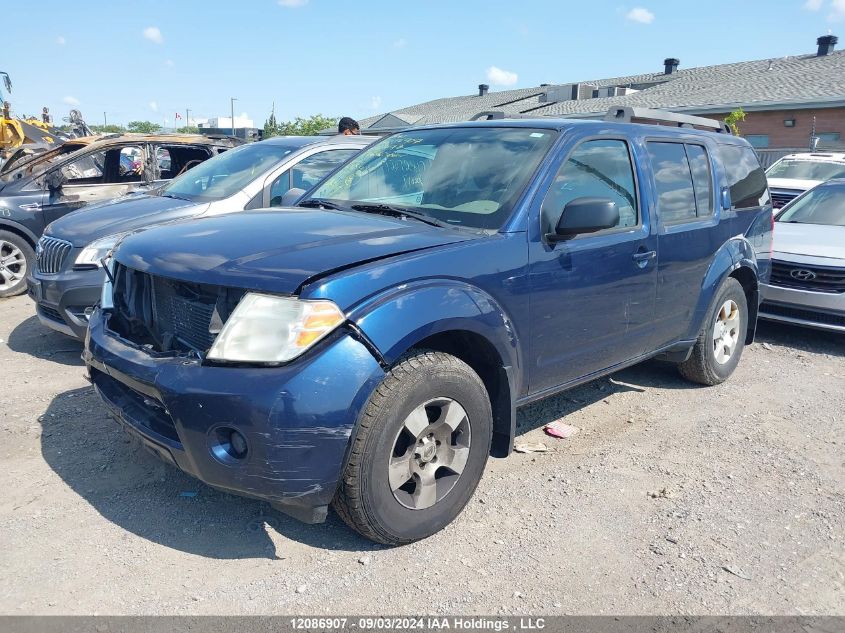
[[624, 114]]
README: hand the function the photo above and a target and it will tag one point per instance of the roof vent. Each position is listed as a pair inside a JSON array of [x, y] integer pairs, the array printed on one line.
[[670, 65], [482, 89], [826, 45]]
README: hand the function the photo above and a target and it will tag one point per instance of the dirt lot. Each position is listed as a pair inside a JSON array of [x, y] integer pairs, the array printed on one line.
[[672, 499]]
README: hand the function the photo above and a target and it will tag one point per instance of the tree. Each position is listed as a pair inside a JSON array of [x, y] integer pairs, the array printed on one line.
[[271, 127], [311, 126], [734, 118], [108, 129], [188, 129], [143, 127]]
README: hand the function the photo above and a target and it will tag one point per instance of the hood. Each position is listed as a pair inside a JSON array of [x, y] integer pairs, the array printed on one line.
[[275, 251], [792, 183], [810, 240], [117, 216]]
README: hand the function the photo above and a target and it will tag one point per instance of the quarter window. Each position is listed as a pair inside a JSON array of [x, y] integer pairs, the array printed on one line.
[[746, 179], [600, 168]]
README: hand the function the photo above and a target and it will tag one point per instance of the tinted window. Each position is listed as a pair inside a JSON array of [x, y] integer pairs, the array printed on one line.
[[746, 178], [594, 169], [701, 180], [467, 176], [673, 181]]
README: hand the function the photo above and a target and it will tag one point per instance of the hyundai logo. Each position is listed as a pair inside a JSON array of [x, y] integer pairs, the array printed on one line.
[[802, 275]]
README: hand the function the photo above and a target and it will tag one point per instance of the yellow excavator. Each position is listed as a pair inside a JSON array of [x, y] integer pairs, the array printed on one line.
[[17, 132]]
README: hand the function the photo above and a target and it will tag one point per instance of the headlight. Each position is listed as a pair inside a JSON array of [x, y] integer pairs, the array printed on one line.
[[97, 250], [269, 329]]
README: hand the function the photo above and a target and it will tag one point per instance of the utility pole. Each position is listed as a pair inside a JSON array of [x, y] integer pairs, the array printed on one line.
[[105, 120], [232, 106], [187, 117]]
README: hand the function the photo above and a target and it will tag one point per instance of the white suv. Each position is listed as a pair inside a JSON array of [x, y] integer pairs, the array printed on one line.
[[794, 174]]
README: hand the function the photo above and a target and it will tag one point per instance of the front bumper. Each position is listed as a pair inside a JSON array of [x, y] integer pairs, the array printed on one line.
[[297, 419], [821, 310], [62, 299]]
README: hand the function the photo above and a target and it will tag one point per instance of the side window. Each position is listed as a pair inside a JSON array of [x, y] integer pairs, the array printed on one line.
[[311, 170], [130, 164], [177, 159], [88, 169], [280, 186], [164, 163], [701, 179], [673, 182], [600, 168], [746, 178]]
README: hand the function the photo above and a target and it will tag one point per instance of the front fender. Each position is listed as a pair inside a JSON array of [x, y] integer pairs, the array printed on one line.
[[397, 319]]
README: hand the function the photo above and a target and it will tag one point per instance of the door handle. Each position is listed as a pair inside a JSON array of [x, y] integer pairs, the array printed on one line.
[[641, 258], [32, 206]]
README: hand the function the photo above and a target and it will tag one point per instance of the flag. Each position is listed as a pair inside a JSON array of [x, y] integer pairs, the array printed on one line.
[[178, 116]]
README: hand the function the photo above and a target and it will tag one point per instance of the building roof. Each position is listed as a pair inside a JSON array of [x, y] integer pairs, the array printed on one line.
[[764, 84]]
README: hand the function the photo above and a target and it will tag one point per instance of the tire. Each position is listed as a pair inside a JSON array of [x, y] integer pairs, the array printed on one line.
[[403, 432], [16, 260], [713, 358]]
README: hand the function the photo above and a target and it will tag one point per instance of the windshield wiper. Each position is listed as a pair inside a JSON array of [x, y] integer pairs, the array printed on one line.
[[319, 203], [399, 212], [170, 195]]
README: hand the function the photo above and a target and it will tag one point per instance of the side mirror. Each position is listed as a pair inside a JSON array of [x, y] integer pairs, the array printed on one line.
[[585, 215], [55, 180], [291, 197], [726, 198]]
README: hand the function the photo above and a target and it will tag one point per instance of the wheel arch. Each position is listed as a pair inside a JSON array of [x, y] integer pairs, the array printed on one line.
[[19, 229]]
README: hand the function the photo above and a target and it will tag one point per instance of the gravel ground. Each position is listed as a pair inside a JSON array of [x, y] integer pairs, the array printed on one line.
[[673, 499]]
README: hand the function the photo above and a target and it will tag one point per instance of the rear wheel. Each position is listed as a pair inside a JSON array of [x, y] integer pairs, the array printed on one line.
[[422, 443], [722, 338], [16, 259]]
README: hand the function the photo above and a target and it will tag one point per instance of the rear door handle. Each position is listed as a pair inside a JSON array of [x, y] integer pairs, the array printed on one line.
[[641, 258], [32, 206]]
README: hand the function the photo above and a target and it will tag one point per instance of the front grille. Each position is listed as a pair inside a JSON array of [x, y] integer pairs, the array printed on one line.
[[50, 255], [49, 313], [813, 278], [780, 199], [800, 314], [167, 315]]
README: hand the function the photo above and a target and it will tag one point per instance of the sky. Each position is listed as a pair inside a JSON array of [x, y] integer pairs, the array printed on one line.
[[148, 59]]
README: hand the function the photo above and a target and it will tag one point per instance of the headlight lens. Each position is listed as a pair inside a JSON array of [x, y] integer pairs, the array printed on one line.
[[270, 329], [97, 250]]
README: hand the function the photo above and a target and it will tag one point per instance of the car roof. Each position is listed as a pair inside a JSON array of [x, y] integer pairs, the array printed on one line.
[[818, 157], [296, 142], [182, 139]]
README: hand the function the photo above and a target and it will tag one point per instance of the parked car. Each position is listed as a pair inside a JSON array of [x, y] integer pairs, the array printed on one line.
[[796, 173], [807, 285], [68, 276], [46, 186], [369, 347]]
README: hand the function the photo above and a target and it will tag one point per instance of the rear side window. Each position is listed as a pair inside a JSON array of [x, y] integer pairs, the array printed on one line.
[[745, 177], [673, 181], [701, 179]]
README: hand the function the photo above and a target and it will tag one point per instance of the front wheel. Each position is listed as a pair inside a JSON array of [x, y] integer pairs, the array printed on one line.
[[422, 443], [722, 338], [16, 258]]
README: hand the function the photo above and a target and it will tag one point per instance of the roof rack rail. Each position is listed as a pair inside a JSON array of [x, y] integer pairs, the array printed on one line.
[[624, 114], [488, 115]]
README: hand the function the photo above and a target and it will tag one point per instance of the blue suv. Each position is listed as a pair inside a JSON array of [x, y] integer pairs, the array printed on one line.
[[368, 348]]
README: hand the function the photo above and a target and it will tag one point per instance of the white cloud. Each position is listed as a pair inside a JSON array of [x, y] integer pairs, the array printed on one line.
[[837, 10], [243, 115], [499, 77], [71, 101], [153, 106], [375, 103], [61, 41], [292, 4], [169, 63], [400, 43], [153, 34], [813, 5], [638, 14]]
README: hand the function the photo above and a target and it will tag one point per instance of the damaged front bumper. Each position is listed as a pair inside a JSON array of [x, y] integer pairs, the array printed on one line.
[[296, 421]]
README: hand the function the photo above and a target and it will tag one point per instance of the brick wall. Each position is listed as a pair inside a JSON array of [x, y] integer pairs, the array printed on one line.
[[771, 123]]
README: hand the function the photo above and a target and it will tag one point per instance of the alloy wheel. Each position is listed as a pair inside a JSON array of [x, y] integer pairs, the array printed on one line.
[[726, 331], [12, 265]]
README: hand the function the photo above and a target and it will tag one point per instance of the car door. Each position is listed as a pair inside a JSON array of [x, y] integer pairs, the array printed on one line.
[[592, 296], [306, 173], [96, 176], [689, 231]]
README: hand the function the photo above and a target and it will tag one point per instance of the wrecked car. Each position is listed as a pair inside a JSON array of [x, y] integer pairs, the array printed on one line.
[[68, 275], [44, 187], [368, 348]]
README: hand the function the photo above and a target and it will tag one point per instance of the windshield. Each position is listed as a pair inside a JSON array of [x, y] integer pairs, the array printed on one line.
[[226, 173], [822, 205], [463, 176], [806, 170]]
